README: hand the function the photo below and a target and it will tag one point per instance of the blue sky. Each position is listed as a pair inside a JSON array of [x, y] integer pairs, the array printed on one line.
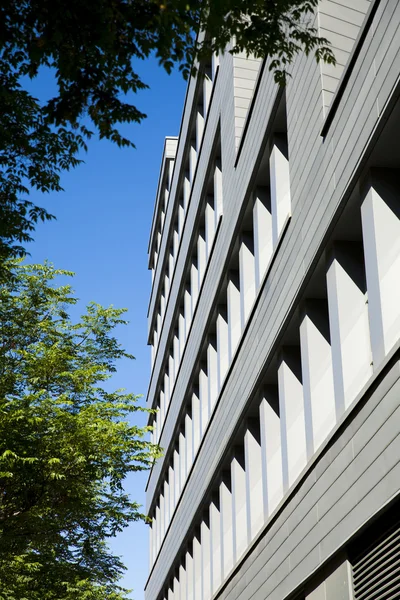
[[101, 233]]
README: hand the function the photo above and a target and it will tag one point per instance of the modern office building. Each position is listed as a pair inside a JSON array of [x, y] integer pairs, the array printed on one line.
[[274, 322]]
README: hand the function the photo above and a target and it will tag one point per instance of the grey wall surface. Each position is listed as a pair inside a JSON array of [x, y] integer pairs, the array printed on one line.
[[323, 512], [356, 476]]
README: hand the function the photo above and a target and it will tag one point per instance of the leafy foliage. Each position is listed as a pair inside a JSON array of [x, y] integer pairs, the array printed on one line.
[[92, 47], [66, 445], [275, 29]]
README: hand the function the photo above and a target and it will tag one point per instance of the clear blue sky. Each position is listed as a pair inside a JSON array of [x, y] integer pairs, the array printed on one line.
[[101, 233]]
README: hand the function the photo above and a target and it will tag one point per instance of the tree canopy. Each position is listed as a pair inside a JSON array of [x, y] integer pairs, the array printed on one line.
[[92, 48], [66, 443]]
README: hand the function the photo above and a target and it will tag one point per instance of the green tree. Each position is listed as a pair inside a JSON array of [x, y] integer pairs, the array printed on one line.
[[93, 47], [66, 444]]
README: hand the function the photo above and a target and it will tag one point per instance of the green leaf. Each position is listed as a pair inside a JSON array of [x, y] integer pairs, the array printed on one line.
[[67, 444]]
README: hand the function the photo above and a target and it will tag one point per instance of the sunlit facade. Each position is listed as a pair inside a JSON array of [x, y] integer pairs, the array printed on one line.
[[274, 325]]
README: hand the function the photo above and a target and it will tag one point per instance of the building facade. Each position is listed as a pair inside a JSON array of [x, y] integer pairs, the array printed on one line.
[[274, 324]]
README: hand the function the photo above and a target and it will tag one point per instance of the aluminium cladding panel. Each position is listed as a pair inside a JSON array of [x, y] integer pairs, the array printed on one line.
[[171, 144], [172, 195], [356, 476], [374, 71], [341, 23], [235, 185], [169, 152], [293, 259], [324, 166], [320, 162], [196, 195], [184, 252], [353, 124]]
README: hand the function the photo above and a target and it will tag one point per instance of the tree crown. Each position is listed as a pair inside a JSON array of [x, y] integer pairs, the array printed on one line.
[[92, 48], [66, 442]]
